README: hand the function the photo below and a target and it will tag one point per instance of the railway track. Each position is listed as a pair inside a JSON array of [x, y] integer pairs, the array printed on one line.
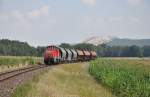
[[11, 74]]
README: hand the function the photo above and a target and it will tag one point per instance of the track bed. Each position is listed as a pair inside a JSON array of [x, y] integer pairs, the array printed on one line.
[[11, 79]]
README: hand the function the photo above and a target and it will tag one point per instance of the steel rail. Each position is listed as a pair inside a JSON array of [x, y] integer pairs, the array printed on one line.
[[10, 74]]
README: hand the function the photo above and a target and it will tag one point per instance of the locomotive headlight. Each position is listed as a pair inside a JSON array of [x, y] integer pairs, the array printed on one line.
[[49, 54]]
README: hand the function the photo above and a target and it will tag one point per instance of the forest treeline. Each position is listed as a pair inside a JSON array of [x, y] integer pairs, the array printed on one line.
[[113, 51], [17, 48]]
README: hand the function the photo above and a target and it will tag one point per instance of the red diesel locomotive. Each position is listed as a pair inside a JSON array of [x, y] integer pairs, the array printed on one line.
[[55, 54]]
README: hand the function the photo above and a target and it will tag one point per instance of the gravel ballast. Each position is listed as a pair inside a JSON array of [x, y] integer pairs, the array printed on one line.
[[7, 87]]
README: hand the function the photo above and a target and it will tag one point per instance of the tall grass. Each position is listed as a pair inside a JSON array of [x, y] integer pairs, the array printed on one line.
[[125, 78], [23, 90], [65, 80], [12, 60]]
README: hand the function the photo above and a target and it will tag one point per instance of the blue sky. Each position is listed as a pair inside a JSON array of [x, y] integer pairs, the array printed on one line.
[[45, 22]]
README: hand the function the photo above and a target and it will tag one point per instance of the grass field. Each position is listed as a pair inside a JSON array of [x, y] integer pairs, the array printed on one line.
[[67, 80], [125, 77], [13, 62]]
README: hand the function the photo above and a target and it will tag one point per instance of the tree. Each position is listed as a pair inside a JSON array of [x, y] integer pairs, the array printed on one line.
[[85, 46], [40, 51], [135, 51], [65, 45], [146, 51], [16, 48]]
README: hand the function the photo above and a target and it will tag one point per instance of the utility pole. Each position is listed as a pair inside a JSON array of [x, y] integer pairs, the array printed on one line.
[[1, 35]]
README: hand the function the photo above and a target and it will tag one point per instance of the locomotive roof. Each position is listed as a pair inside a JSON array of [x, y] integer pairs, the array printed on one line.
[[72, 49], [53, 46]]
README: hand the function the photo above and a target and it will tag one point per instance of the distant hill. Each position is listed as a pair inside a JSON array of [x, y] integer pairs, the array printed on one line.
[[129, 42], [110, 41], [97, 40]]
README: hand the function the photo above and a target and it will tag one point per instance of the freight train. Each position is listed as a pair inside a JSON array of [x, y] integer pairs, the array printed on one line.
[[55, 54]]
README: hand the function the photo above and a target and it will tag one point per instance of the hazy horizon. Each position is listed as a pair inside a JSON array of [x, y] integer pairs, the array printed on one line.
[[44, 22]]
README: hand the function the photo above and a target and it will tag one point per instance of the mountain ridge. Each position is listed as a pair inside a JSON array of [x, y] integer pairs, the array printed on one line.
[[113, 41]]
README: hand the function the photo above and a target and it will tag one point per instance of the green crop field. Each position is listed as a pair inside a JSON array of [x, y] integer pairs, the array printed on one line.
[[125, 78]]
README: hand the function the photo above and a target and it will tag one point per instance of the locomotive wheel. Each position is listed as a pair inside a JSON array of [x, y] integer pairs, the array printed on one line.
[[47, 62]]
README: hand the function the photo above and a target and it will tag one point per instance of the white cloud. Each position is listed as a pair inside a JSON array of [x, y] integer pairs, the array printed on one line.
[[134, 19], [116, 19], [11, 15], [43, 11], [89, 2], [22, 16], [135, 2], [16, 14]]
